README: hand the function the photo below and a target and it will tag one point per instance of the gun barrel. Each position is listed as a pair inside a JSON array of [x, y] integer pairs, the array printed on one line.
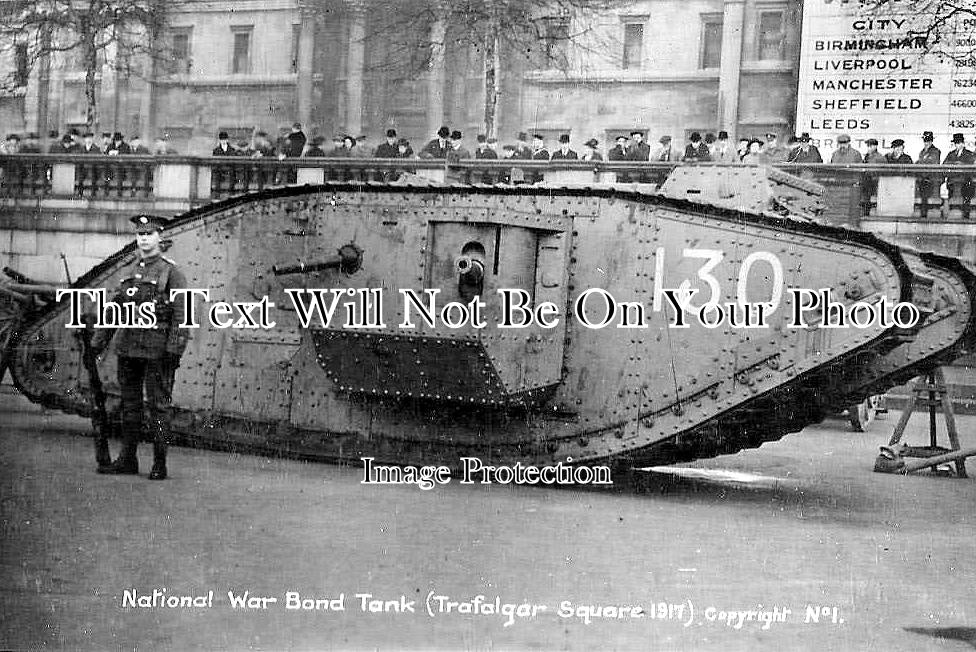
[[348, 259]]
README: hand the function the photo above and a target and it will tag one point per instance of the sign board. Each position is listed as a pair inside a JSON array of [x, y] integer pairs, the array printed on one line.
[[870, 72]]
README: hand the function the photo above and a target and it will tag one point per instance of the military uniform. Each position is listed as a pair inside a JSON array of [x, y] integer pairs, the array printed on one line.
[[147, 357]]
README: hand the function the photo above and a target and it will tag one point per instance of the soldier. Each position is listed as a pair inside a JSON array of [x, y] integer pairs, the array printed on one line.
[[619, 151], [590, 152], [639, 150], [927, 185], [539, 151], [438, 147], [564, 153], [960, 155], [696, 151], [147, 357], [389, 148], [223, 147], [775, 153], [844, 152], [897, 153]]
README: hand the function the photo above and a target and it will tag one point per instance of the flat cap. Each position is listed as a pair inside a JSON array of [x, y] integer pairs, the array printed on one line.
[[592, 142], [928, 136], [871, 141], [843, 138], [897, 142]]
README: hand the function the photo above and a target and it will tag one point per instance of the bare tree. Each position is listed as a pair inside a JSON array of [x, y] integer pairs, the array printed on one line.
[[95, 30], [414, 34], [944, 28]]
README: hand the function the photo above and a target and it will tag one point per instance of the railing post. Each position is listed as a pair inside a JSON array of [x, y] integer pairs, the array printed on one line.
[[174, 181], [310, 176], [63, 179], [896, 196], [204, 174]]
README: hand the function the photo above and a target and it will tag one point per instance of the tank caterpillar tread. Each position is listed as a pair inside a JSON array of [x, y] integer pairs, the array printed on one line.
[[535, 395]]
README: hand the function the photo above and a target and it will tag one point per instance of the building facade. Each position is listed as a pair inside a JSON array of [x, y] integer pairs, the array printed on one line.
[[663, 66]]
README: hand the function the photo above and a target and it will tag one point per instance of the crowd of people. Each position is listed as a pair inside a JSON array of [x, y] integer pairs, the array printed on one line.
[[450, 144]]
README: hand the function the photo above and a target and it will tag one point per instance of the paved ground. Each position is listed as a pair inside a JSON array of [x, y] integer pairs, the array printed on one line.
[[796, 524]]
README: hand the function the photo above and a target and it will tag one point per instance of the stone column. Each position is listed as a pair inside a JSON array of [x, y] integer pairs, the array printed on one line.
[[435, 79], [355, 60], [306, 48], [731, 66]]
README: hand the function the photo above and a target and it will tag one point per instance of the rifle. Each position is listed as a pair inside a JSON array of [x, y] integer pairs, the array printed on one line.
[[99, 415]]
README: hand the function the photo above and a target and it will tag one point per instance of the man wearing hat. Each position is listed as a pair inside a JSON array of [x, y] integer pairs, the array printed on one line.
[[773, 151], [223, 147], [665, 152], [483, 151], [844, 152], [807, 152], [438, 147], [927, 185], [404, 150], [31, 144], [639, 150], [897, 153], [696, 151], [118, 145], [66, 145], [620, 151], [564, 153], [960, 155], [147, 357], [458, 150], [88, 145], [723, 151], [388, 148], [590, 152], [539, 151]]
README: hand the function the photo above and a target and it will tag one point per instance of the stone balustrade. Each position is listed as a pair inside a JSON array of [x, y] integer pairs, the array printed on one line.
[[79, 204]]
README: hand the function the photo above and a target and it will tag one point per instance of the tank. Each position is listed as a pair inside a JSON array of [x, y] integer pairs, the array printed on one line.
[[640, 389]]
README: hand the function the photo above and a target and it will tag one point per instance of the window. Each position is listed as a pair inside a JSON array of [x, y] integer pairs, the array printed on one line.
[[180, 51], [771, 36], [711, 41], [20, 62], [633, 45], [296, 38], [241, 61], [555, 31]]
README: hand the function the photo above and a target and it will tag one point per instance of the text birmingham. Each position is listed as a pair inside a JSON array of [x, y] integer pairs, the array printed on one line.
[[594, 308]]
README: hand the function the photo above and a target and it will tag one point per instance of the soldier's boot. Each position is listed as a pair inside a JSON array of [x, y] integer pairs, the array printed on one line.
[[159, 462], [126, 463]]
